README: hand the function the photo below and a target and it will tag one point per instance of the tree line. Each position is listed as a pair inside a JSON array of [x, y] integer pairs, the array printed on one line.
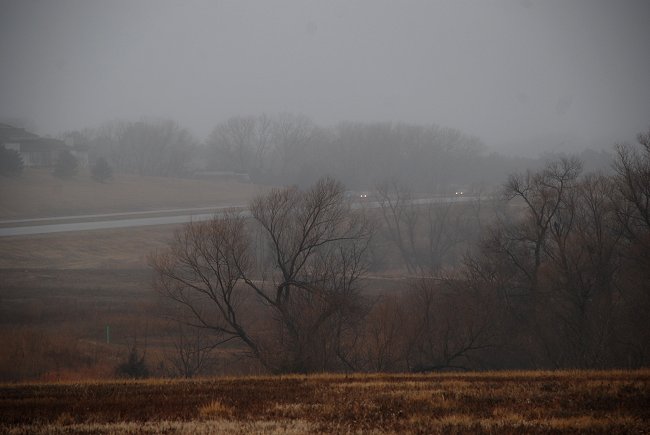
[[551, 274], [288, 149]]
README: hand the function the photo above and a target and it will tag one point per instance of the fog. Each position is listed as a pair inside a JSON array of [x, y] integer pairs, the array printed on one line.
[[524, 76], [268, 187]]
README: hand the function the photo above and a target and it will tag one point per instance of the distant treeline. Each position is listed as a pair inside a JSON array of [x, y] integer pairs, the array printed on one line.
[[292, 150]]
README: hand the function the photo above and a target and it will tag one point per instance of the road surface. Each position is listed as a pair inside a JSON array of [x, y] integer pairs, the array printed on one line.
[[59, 224]]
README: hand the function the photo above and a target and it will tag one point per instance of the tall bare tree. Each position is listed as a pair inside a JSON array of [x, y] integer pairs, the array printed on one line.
[[557, 265], [148, 147], [543, 194], [633, 182], [241, 144], [285, 296], [450, 324], [582, 261], [632, 179], [429, 235]]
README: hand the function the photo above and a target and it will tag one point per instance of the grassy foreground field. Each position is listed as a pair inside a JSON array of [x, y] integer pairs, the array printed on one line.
[[491, 402]]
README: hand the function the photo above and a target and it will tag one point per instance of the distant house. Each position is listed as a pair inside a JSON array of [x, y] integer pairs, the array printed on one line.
[[36, 151]]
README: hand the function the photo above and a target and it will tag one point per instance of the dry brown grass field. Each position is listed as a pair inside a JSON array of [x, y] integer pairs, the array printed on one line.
[[99, 249], [59, 292], [489, 402], [37, 193]]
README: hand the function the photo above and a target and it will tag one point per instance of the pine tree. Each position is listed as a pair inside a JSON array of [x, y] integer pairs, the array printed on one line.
[[11, 163], [66, 165], [102, 171]]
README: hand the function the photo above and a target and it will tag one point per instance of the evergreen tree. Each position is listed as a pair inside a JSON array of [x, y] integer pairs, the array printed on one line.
[[11, 163], [66, 165], [102, 171]]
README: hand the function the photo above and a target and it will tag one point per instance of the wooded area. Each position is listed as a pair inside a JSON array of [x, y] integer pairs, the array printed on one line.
[[554, 276]]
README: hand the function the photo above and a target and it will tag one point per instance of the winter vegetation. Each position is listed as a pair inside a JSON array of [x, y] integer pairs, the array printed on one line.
[[289, 149], [552, 276], [419, 303], [11, 164], [488, 402], [324, 217], [547, 272]]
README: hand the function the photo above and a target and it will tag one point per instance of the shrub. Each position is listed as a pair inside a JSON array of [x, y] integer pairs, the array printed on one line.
[[134, 366]]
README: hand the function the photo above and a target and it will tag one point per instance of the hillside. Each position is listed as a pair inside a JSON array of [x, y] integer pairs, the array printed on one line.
[[37, 193]]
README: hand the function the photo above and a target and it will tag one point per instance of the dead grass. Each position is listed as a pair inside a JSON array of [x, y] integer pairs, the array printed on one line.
[[216, 409], [491, 402], [37, 193], [55, 307], [101, 249], [290, 427]]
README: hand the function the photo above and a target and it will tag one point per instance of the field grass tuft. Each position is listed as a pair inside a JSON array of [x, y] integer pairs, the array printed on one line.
[[216, 409]]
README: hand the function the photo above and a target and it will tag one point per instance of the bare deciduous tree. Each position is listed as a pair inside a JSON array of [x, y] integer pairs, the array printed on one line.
[[385, 336], [543, 194], [632, 179], [241, 144], [633, 182], [285, 297], [582, 262], [400, 217], [450, 324], [556, 265], [193, 350], [150, 147], [427, 236]]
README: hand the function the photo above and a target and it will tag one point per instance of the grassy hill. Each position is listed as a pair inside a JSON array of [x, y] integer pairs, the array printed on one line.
[[37, 193]]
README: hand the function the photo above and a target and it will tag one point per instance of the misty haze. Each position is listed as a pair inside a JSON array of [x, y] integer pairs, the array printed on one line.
[[324, 216]]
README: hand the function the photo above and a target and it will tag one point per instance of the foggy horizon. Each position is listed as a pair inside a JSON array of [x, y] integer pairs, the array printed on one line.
[[516, 74]]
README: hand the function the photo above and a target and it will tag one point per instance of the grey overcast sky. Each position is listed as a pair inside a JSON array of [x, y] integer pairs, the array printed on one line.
[[512, 72]]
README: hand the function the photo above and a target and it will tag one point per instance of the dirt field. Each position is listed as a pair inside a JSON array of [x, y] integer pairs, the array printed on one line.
[[502, 402], [37, 193]]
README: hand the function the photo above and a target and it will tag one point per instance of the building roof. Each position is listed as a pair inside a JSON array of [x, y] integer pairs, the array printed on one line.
[[9, 133], [29, 142]]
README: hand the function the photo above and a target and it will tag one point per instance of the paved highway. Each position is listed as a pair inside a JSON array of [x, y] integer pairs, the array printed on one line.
[[175, 211], [59, 224]]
